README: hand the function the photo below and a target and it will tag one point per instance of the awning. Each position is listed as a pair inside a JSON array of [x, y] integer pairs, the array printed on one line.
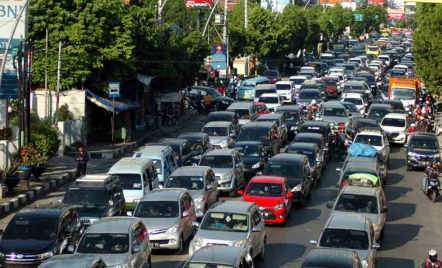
[[120, 105], [145, 79]]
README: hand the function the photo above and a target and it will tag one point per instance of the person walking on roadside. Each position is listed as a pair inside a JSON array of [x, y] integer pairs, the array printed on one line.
[[207, 102], [82, 158]]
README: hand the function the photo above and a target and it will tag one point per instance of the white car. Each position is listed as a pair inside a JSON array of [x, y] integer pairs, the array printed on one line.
[[377, 139], [401, 67], [272, 101], [395, 126], [356, 99], [341, 78], [357, 61], [286, 89], [298, 80], [386, 58]]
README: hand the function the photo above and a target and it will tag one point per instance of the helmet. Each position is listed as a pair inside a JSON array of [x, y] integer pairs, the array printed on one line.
[[412, 125], [432, 252], [313, 102], [422, 118], [427, 102], [418, 106]]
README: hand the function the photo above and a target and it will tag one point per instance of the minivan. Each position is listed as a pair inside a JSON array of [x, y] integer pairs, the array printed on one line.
[[264, 89], [138, 177], [248, 87], [162, 157], [246, 111]]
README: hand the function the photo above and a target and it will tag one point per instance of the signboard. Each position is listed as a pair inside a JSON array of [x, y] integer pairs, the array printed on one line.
[[199, 4], [359, 17], [219, 57], [376, 2], [395, 10], [114, 90]]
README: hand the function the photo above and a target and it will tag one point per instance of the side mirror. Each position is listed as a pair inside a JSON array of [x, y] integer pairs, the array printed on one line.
[[71, 248], [384, 210], [313, 242], [256, 229], [338, 169], [406, 145], [196, 224], [240, 192], [129, 213], [290, 195], [185, 214], [329, 205], [136, 249], [375, 246], [111, 203], [350, 114]]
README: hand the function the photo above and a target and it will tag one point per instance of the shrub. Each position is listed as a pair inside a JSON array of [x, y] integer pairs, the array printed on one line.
[[6, 134], [63, 114], [261, 69]]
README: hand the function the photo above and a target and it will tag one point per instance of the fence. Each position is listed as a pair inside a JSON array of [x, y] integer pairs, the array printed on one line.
[[69, 132]]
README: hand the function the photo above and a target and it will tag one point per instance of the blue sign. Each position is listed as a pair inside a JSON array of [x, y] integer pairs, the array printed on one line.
[[219, 57], [359, 17], [114, 90]]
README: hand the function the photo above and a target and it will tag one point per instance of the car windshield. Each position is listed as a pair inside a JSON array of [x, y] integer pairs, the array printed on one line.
[[310, 154], [349, 67], [265, 189], [393, 122], [283, 86], [258, 93], [242, 113], [330, 82], [284, 170], [351, 107], [357, 203], [218, 117], [370, 78], [268, 99], [186, 182], [216, 131], [158, 166], [289, 116], [339, 60], [367, 124], [254, 134], [337, 112], [348, 88], [104, 243], [312, 129], [35, 228], [342, 238], [213, 93], [429, 144], [268, 120], [309, 95], [130, 181], [355, 101], [297, 81], [248, 150], [369, 140], [195, 143], [225, 221], [157, 209], [87, 197], [270, 73], [379, 113], [217, 161], [403, 93]]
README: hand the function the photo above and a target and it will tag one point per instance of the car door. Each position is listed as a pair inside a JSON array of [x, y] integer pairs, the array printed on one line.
[[308, 177], [184, 216], [118, 199], [287, 201], [284, 128], [386, 147], [382, 206], [138, 237], [239, 170], [371, 234], [257, 237]]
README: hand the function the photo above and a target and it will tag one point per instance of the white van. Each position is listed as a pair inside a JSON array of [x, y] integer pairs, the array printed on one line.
[[138, 177], [162, 157]]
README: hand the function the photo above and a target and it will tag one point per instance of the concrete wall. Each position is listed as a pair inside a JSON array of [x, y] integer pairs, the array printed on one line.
[[69, 132], [75, 99], [8, 149]]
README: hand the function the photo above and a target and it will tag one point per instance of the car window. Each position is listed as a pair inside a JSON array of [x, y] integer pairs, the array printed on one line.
[[256, 217], [139, 233]]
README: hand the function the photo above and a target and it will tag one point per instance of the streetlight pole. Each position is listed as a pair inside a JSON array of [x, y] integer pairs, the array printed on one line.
[[225, 36], [83, 79]]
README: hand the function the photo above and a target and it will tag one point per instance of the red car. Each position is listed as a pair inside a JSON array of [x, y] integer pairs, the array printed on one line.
[[332, 85], [272, 75], [261, 108], [272, 195]]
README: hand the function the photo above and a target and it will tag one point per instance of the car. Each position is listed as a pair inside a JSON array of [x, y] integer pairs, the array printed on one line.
[[265, 132], [422, 149], [356, 99], [296, 169], [376, 159], [279, 119], [325, 129], [397, 105], [234, 224], [181, 148], [220, 256], [272, 75], [271, 100], [168, 214], [335, 113], [385, 91], [328, 257], [223, 116], [352, 232], [218, 101], [261, 108], [332, 85], [297, 80], [95, 197], [358, 61], [38, 233], [357, 125], [201, 183], [371, 81], [222, 134], [307, 95], [272, 195], [199, 144], [365, 201], [321, 86], [378, 111], [309, 84], [286, 89], [310, 72], [360, 86], [293, 119], [119, 241], [254, 156], [74, 261], [314, 155], [351, 69], [245, 111], [315, 138], [163, 158], [395, 126], [366, 165], [228, 167], [353, 110], [264, 89], [375, 138]]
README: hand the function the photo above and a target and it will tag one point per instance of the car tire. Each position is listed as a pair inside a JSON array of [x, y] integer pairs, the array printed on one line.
[[179, 251], [233, 192], [262, 254], [409, 168]]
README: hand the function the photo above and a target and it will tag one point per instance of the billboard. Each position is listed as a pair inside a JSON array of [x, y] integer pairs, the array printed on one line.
[[376, 2], [199, 4], [219, 57], [395, 10]]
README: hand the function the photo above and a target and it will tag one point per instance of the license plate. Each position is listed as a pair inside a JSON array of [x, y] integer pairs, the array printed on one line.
[[156, 245], [425, 163]]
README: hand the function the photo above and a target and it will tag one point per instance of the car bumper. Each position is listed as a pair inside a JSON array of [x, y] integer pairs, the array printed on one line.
[[21, 264], [297, 196], [165, 241], [397, 138], [271, 215], [418, 163], [225, 185]]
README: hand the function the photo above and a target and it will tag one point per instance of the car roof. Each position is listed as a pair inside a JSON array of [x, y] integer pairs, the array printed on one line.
[[288, 108], [289, 158], [130, 165], [316, 123], [353, 96], [218, 254], [172, 141], [335, 104], [222, 113], [165, 194], [265, 86], [268, 178], [284, 83], [240, 105], [221, 152], [232, 207], [330, 257], [377, 105], [218, 124], [368, 167], [47, 211], [396, 116], [310, 135], [258, 125], [331, 78], [298, 77], [425, 135], [153, 149], [354, 83], [192, 135], [274, 95], [112, 225], [70, 261], [190, 171], [310, 90], [347, 221], [303, 145], [270, 116], [370, 132], [372, 191], [246, 143]]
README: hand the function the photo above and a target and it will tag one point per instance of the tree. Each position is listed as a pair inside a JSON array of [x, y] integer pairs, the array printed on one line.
[[291, 30], [260, 35]]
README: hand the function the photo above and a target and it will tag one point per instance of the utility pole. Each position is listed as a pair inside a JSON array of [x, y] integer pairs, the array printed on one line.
[[20, 95], [46, 77], [246, 24], [198, 20], [26, 101], [225, 36], [58, 84]]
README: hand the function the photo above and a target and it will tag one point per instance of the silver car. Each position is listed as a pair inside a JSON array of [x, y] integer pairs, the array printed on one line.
[[366, 201], [235, 224], [168, 215], [228, 167], [219, 256], [353, 232], [119, 241], [222, 134], [74, 261], [201, 184]]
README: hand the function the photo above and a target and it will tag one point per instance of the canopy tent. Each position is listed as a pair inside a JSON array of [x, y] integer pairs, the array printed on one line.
[[107, 104]]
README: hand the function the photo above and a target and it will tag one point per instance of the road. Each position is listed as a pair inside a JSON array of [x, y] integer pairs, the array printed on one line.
[[413, 225]]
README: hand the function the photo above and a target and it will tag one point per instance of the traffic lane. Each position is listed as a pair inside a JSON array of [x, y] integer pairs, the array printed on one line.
[[413, 225]]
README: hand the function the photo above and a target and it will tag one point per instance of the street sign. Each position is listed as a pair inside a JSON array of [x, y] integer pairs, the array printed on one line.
[[114, 90], [219, 57], [359, 17]]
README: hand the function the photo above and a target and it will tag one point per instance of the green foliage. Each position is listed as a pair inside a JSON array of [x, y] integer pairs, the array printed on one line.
[[63, 114], [373, 16], [401, 24], [261, 68], [6, 134]]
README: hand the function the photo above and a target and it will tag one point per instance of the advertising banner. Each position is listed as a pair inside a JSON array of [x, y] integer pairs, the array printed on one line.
[[376, 2], [219, 57], [199, 4], [395, 10]]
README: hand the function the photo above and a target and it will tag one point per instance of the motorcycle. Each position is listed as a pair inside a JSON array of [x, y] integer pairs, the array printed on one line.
[[341, 149], [432, 189]]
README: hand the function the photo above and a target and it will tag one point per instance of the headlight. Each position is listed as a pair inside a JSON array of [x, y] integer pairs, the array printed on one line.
[[227, 176], [199, 199], [225, 102], [121, 265], [436, 155], [45, 255], [241, 243], [136, 200], [257, 165], [377, 228], [198, 241], [297, 188], [293, 128], [279, 206], [365, 262], [402, 133], [172, 229]]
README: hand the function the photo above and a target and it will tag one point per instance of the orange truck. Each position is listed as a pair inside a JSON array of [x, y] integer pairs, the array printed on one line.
[[406, 90]]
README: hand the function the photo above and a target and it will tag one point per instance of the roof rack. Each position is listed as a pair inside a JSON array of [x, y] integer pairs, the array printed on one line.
[[97, 178]]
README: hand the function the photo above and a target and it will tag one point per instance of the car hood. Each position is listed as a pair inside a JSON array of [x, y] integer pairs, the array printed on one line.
[[424, 151], [392, 129], [335, 119], [223, 98], [25, 246], [159, 223], [243, 121], [228, 237], [306, 102], [375, 218], [250, 160], [218, 139], [272, 105], [262, 201], [113, 259], [221, 171], [293, 182], [90, 212]]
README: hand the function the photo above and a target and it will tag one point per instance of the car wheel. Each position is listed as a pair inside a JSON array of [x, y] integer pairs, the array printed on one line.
[[409, 168], [179, 251], [233, 192], [262, 254]]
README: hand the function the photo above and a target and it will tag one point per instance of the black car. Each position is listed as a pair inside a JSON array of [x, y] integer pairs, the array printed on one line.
[[329, 257], [221, 116], [181, 148], [307, 95], [318, 67], [371, 81], [35, 234], [314, 155], [293, 117], [253, 155], [323, 128], [265, 132], [378, 111], [273, 75], [422, 149], [296, 169], [218, 101], [398, 106], [357, 125], [315, 138], [199, 144]]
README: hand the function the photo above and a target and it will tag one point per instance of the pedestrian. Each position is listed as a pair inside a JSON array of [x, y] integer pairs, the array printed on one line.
[[219, 88], [82, 158], [207, 102], [198, 100]]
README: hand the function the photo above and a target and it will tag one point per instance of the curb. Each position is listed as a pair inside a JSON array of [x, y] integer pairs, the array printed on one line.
[[30, 196]]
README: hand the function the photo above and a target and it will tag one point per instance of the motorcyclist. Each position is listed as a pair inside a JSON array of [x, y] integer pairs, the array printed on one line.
[[312, 109], [432, 261], [431, 173], [412, 128], [422, 125]]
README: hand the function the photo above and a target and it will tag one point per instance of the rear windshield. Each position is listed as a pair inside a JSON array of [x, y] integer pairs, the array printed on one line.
[[369, 140], [259, 92], [355, 101], [297, 81], [311, 129], [342, 238], [309, 95], [283, 87], [270, 73], [393, 122], [272, 100]]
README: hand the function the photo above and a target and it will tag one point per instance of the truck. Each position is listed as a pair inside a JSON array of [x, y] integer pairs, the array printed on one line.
[[406, 90], [338, 47], [373, 49]]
